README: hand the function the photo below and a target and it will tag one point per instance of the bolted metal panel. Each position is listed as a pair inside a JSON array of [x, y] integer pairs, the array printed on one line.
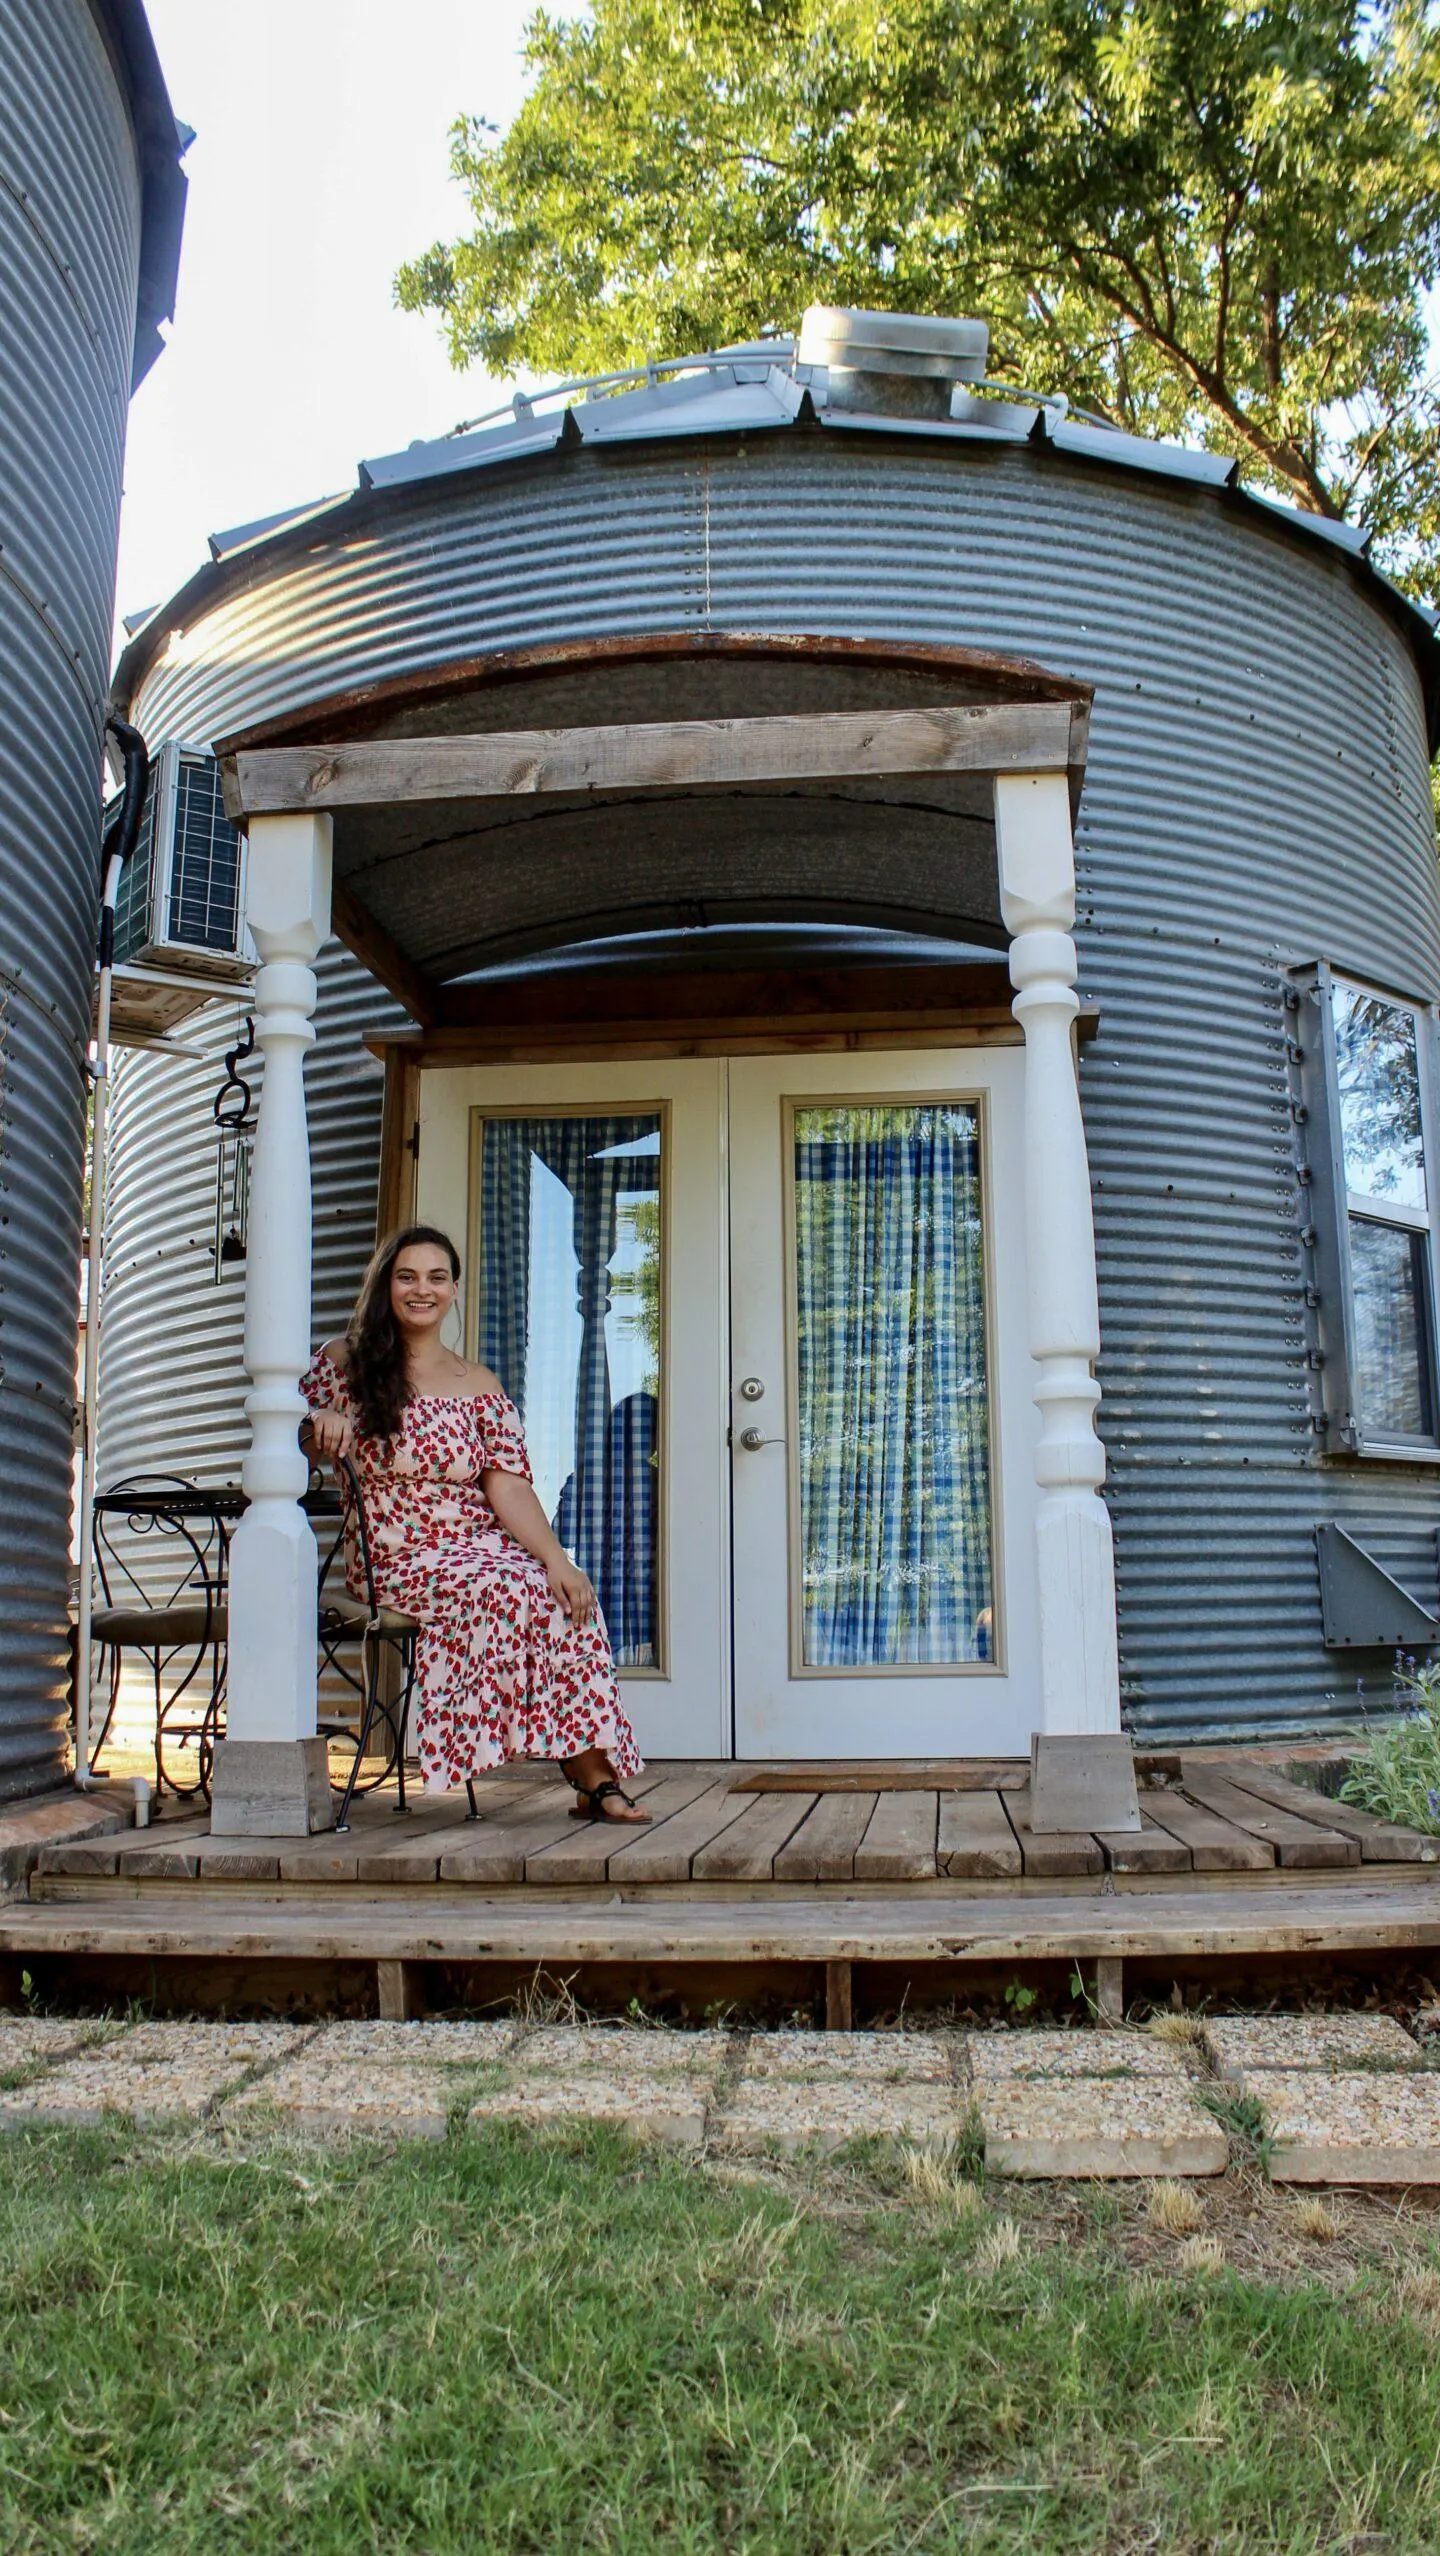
[[1257, 793], [160, 1230], [70, 232]]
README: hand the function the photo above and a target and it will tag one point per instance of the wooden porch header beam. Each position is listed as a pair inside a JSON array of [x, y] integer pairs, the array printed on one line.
[[677, 754]]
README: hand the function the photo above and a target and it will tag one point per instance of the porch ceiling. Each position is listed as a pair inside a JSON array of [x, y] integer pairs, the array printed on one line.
[[667, 833]]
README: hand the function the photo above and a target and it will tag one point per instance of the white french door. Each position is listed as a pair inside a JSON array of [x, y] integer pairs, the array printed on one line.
[[765, 1322], [882, 1426]]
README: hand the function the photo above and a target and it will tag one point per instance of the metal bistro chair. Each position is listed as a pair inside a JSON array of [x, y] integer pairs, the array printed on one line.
[[162, 1547], [383, 1634]]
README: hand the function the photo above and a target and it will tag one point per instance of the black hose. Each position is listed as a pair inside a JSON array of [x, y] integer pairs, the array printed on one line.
[[123, 833]]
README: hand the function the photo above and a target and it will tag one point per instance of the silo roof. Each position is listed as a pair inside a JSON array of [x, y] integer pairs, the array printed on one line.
[[759, 389], [161, 144]]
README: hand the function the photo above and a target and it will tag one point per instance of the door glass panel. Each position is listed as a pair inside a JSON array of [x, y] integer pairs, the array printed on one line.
[[569, 1290], [894, 1437], [1394, 1386], [1379, 1072]]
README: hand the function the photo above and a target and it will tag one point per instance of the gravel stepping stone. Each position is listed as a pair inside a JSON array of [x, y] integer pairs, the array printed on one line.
[[621, 2050], [789, 2114], [26, 2038], [898, 2058], [1379, 2127], [350, 2095], [236, 2045], [669, 2107], [1097, 2126], [1240, 2043], [1009, 2058], [86, 2090], [464, 2045]]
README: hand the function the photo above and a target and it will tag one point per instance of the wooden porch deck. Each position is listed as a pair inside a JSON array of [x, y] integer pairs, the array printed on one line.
[[923, 1868]]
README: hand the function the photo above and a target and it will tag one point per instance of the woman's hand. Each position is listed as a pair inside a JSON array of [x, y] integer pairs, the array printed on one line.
[[331, 1433], [572, 1589]]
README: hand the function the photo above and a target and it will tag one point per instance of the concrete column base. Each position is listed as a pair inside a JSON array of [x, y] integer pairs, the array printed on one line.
[[271, 1788]]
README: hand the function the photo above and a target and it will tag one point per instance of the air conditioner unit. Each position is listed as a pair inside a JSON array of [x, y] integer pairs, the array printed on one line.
[[180, 938]]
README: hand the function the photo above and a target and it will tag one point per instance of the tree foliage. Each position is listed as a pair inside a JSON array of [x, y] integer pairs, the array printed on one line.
[[1198, 218]]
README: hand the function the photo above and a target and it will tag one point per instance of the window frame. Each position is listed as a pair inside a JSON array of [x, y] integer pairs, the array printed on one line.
[[1327, 1205]]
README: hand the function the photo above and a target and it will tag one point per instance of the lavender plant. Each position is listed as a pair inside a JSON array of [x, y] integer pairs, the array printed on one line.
[[1399, 1774]]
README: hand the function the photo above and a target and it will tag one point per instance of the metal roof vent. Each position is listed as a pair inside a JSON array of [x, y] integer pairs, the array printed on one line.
[[893, 363]]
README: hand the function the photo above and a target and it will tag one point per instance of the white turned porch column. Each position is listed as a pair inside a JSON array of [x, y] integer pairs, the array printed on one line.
[[270, 1772], [1074, 1554]]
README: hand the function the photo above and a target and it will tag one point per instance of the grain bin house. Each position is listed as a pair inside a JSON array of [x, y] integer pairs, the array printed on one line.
[[91, 207], [899, 927]]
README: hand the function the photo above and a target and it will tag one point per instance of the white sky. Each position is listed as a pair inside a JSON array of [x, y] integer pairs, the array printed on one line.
[[320, 163]]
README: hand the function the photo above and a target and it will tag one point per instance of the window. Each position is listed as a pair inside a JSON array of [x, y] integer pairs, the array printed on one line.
[[1366, 1062]]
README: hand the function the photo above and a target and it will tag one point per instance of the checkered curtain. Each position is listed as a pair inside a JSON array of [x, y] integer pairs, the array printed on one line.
[[894, 1439], [607, 1509]]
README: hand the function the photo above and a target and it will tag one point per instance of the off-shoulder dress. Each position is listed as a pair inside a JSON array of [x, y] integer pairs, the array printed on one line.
[[501, 1671]]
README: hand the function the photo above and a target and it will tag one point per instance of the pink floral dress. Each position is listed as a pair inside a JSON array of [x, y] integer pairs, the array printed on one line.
[[501, 1671]]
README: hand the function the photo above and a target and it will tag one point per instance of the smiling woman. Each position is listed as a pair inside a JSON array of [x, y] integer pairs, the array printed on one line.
[[512, 1659]]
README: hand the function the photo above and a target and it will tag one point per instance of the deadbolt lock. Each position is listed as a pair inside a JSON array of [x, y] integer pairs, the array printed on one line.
[[752, 1390]]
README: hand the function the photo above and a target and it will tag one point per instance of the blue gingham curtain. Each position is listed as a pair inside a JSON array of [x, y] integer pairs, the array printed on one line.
[[607, 1510], [894, 1441]]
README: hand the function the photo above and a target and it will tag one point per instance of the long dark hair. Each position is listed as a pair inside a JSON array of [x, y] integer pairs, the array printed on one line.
[[375, 1367]]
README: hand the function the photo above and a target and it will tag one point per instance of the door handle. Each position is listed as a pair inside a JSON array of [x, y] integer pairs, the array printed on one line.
[[751, 1439]]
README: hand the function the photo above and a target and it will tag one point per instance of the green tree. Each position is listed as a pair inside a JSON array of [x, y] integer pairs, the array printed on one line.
[[1198, 218]]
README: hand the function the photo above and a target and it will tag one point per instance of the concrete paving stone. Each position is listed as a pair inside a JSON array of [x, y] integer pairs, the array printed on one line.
[[1009, 2058], [462, 2045], [111, 2083], [1382, 2126], [853, 2058], [1240, 2043], [236, 2045], [358, 2095], [786, 2113], [668, 2107], [621, 2049], [1098, 2126]]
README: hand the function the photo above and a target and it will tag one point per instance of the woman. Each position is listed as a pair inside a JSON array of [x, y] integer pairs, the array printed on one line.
[[512, 1659]]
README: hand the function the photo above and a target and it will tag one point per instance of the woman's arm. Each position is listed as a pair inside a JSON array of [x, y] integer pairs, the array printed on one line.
[[327, 1431], [521, 1515]]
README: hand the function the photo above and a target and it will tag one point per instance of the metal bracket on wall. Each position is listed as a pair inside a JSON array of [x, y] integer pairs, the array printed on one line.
[[1361, 1607]]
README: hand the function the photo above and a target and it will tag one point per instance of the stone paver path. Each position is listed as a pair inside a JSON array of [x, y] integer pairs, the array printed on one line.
[[1339, 2098]]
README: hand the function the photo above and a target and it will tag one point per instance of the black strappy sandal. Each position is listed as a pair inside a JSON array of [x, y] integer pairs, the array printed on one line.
[[593, 1797]]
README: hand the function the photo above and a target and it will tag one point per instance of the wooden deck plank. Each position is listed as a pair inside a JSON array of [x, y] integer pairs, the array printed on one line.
[[899, 1843], [1216, 1845], [110, 1853], [1305, 1916], [494, 1848], [1301, 1845], [747, 1847], [912, 1775], [1381, 1841], [1053, 1853], [583, 1854], [1153, 1850], [664, 1854], [976, 1841], [823, 1847]]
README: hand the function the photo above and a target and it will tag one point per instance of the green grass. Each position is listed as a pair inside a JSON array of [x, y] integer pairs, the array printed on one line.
[[573, 2344]]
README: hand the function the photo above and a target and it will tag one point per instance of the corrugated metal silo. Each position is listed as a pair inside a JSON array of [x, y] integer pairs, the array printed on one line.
[[89, 230], [1257, 794]]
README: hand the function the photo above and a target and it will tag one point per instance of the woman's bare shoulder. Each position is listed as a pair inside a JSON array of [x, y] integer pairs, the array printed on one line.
[[480, 1379], [338, 1353]]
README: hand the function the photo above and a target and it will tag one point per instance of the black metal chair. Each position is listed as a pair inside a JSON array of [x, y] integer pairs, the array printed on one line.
[[385, 1638], [162, 1548]]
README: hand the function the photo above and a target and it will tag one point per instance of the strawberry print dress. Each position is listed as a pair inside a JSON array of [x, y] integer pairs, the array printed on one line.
[[500, 1670]]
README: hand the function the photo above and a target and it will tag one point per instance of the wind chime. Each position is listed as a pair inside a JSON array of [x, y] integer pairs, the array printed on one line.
[[233, 1144]]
